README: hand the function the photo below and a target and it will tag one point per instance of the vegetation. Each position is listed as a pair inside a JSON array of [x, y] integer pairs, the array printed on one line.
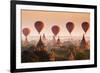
[[70, 52]]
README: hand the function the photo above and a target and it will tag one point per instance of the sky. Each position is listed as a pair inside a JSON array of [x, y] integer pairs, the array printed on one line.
[[50, 18]]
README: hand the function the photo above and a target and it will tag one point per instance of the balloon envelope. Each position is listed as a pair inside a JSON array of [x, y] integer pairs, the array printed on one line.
[[70, 26], [85, 26], [55, 29], [26, 31], [39, 26]]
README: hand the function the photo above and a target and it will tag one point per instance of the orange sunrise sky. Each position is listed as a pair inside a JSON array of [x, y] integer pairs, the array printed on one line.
[[49, 18]]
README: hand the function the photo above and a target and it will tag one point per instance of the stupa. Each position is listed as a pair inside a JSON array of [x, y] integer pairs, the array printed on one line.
[[83, 44]]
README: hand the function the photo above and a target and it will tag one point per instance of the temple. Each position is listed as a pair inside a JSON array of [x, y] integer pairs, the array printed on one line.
[[83, 44]]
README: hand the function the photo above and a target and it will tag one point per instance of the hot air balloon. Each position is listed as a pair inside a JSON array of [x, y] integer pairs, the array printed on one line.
[[55, 29], [85, 26], [26, 32], [70, 26], [39, 26]]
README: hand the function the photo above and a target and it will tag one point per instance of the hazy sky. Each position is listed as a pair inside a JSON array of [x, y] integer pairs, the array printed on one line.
[[29, 17]]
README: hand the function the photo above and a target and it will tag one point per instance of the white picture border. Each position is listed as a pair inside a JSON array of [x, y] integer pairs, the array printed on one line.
[[20, 65]]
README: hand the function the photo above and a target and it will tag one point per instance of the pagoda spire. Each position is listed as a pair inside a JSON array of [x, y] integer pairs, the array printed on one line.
[[83, 43], [58, 41], [44, 37], [40, 44]]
